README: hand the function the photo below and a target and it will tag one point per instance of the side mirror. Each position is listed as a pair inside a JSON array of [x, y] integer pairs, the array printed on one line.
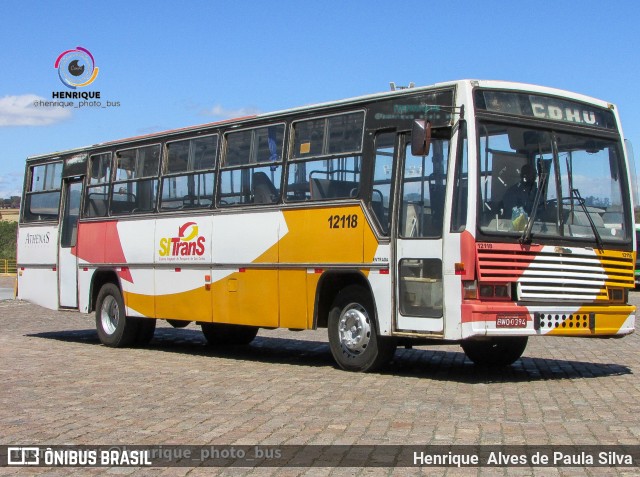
[[420, 137]]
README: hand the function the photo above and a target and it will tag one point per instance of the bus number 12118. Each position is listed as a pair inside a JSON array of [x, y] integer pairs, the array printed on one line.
[[343, 221]]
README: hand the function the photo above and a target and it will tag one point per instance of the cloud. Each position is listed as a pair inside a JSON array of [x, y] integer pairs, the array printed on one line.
[[30, 110], [221, 112]]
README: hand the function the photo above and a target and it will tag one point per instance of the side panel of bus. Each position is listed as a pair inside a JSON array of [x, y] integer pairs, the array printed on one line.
[[319, 241], [259, 269], [123, 247], [244, 287], [182, 263], [38, 259]]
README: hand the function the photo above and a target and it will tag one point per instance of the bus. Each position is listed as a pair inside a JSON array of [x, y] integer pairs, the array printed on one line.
[[474, 212]]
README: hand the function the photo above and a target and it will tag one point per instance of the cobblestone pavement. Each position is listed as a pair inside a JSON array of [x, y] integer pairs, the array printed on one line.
[[60, 386]]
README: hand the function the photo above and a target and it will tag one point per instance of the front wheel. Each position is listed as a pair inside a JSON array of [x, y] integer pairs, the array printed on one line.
[[353, 336], [495, 351]]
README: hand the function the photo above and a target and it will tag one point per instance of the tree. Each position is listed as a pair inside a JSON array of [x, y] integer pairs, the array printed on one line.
[[8, 237]]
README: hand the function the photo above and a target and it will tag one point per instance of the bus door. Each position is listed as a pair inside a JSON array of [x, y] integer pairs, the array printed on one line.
[[419, 244], [67, 260]]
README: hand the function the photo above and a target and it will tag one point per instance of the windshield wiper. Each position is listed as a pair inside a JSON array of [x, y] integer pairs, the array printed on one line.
[[526, 234], [575, 193]]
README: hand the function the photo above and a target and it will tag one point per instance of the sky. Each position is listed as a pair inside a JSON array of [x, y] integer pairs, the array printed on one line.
[[165, 64]]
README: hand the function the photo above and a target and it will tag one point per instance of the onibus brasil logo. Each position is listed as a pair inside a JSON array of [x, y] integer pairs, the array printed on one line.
[[76, 68]]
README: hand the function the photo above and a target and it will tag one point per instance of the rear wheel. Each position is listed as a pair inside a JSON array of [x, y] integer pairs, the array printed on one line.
[[115, 329], [495, 351], [222, 334], [353, 336]]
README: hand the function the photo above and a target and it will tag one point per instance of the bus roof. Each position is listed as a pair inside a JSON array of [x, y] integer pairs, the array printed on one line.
[[489, 84]]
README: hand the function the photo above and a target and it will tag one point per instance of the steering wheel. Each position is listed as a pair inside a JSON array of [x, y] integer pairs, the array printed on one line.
[[565, 201]]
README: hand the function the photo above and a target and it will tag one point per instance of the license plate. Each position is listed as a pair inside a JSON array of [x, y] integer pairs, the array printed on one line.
[[511, 321]]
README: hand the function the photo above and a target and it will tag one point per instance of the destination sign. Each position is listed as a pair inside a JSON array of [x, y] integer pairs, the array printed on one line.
[[436, 107], [544, 107]]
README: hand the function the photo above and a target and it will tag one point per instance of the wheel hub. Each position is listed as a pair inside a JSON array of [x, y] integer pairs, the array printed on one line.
[[109, 315], [354, 329]]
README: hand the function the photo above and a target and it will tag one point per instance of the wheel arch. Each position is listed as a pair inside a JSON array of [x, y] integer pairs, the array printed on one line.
[[100, 277], [330, 284]]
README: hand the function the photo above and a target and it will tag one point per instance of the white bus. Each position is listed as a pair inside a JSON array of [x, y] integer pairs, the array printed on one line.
[[475, 212]]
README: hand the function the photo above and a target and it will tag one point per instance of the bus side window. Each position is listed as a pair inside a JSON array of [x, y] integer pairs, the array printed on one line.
[[96, 203], [423, 191], [325, 179], [311, 177], [136, 180], [42, 199], [382, 179], [461, 186], [189, 177], [252, 168]]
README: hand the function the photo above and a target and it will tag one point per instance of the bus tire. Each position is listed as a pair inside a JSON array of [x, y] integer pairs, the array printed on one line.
[[496, 351], [146, 328], [353, 336], [222, 334], [115, 329]]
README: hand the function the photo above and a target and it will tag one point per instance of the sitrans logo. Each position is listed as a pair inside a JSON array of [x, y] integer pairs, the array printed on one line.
[[187, 244]]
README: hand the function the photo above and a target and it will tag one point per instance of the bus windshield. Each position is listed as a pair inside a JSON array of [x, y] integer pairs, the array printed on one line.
[[568, 186]]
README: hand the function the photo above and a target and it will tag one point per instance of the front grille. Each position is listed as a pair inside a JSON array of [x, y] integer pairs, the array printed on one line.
[[555, 273]]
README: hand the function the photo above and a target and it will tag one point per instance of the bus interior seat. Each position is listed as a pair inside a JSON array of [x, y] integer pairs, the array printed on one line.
[[318, 188], [264, 192], [343, 189], [436, 199], [420, 221], [191, 201], [330, 189], [378, 209], [187, 200], [377, 205], [97, 207], [410, 220], [122, 207]]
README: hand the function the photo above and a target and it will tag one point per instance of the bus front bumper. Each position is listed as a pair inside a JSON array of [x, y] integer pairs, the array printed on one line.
[[517, 320]]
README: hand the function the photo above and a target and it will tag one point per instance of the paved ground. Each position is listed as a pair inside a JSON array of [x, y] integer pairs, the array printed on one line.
[[58, 385], [6, 287]]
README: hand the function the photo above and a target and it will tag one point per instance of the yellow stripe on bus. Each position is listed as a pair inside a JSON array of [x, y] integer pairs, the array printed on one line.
[[608, 321], [269, 297]]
